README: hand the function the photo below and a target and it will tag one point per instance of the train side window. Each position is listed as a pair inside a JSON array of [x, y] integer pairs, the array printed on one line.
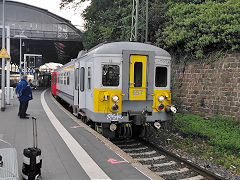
[[110, 75], [138, 70], [54, 79], [77, 79], [68, 78], [89, 77], [161, 77], [82, 78], [65, 78]]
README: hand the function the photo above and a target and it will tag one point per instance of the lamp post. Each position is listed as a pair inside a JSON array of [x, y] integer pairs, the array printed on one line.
[[20, 36], [3, 59]]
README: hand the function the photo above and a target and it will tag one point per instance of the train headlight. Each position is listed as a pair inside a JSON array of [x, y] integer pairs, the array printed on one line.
[[115, 108], [161, 98], [160, 107], [115, 98]]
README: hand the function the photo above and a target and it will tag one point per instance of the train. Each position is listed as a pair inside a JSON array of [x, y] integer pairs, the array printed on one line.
[[118, 88]]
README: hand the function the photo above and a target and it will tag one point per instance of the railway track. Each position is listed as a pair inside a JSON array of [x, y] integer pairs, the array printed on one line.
[[166, 164]]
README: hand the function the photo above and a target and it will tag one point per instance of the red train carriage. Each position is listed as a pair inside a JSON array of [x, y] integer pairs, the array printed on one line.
[[54, 83]]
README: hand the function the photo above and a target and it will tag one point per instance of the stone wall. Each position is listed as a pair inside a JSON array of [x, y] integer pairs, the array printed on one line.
[[208, 90]]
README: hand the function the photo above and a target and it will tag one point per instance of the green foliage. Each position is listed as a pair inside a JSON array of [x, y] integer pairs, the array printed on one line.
[[214, 56], [195, 29], [187, 28], [220, 132], [108, 21]]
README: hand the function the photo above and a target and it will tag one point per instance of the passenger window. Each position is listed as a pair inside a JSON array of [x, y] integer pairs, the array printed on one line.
[[138, 68], [161, 77], [54, 79], [89, 77], [77, 79], [65, 78], [110, 75], [82, 78], [68, 78]]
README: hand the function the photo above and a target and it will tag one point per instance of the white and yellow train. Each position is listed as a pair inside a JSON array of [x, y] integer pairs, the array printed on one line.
[[118, 86]]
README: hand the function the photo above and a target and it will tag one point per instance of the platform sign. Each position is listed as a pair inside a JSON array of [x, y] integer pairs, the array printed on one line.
[[31, 71], [4, 54]]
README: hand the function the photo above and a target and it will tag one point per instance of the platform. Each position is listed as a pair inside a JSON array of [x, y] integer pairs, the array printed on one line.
[[70, 149]]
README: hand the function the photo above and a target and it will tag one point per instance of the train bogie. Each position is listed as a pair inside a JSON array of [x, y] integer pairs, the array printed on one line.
[[118, 86]]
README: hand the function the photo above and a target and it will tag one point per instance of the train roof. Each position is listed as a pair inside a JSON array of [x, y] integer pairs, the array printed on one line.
[[118, 47]]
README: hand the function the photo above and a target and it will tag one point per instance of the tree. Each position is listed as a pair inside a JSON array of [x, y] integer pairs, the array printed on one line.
[[196, 29], [189, 28]]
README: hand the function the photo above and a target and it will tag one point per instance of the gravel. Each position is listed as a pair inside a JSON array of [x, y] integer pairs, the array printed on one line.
[[161, 139]]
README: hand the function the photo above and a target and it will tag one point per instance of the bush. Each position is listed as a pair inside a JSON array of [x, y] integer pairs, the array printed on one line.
[[196, 29], [221, 132]]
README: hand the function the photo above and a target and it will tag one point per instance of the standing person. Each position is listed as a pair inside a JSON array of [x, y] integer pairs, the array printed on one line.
[[24, 94]]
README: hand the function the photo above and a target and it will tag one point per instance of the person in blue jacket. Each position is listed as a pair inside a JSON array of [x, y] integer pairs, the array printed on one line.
[[24, 94]]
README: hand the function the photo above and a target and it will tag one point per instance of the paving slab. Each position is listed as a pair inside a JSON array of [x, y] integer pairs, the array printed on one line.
[[59, 161]]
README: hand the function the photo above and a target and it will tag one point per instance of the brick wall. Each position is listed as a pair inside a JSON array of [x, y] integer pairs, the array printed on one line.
[[208, 90]]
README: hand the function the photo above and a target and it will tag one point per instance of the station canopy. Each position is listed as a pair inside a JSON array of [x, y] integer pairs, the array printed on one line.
[[49, 67], [40, 32]]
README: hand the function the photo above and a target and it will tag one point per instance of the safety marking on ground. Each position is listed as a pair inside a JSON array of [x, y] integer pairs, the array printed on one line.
[[75, 127], [86, 162], [114, 161]]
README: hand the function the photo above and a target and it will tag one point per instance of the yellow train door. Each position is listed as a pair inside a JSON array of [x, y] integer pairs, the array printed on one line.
[[138, 76]]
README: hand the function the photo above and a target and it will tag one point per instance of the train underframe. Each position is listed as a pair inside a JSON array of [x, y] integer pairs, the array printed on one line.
[[136, 127]]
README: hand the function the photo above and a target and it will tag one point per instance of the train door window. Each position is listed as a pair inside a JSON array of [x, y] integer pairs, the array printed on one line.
[[89, 77], [161, 77], [65, 78], [68, 78], [110, 75], [54, 79], [138, 69], [77, 79], [82, 78]]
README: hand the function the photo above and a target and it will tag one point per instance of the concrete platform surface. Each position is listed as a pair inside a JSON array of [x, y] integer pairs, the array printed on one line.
[[70, 149]]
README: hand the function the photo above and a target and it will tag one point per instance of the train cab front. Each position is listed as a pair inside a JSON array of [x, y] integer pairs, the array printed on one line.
[[133, 95], [146, 88], [108, 100]]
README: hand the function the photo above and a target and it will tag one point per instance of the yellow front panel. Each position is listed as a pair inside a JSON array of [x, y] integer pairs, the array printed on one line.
[[158, 92], [138, 93], [102, 105]]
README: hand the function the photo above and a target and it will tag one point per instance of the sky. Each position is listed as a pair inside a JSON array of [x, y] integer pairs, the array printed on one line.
[[54, 7]]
